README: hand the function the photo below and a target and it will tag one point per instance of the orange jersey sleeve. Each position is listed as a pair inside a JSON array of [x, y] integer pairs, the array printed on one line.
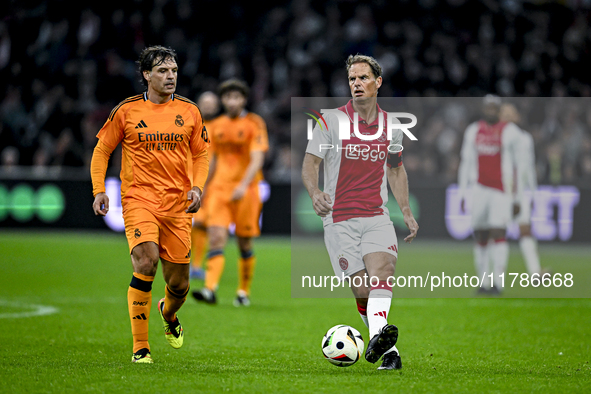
[[158, 141], [206, 124], [98, 167], [232, 141], [260, 139], [200, 168]]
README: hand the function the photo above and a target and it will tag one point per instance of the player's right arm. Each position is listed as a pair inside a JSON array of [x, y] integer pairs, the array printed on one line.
[[98, 170], [109, 137], [321, 201], [315, 153]]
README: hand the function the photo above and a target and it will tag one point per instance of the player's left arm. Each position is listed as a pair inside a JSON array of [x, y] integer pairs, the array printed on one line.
[[531, 179], [257, 159], [198, 144], [258, 146], [398, 180], [518, 154]]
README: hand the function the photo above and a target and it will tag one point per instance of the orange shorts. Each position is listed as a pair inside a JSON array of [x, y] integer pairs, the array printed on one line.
[[244, 213], [171, 234]]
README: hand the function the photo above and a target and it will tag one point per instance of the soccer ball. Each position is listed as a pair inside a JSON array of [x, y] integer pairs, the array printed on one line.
[[342, 345]]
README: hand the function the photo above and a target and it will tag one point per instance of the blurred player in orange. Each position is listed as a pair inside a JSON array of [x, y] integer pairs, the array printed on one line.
[[209, 104], [238, 145], [157, 130]]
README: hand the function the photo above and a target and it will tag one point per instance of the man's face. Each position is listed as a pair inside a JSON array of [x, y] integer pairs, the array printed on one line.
[[491, 113], [209, 104], [162, 78], [362, 82], [509, 113], [233, 102]]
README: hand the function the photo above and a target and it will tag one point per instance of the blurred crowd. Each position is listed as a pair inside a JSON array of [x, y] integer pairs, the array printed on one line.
[[62, 72], [560, 127]]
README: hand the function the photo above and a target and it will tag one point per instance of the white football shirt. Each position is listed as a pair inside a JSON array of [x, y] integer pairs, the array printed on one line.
[[490, 156], [354, 169]]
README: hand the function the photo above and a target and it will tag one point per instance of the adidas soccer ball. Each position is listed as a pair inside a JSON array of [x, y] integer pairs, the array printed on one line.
[[342, 345]]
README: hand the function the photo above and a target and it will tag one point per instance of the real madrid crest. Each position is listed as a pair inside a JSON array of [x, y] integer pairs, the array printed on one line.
[[179, 121]]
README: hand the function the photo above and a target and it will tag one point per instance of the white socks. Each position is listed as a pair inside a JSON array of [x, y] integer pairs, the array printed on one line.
[[365, 320], [481, 263], [496, 252], [378, 307], [499, 252], [363, 314], [529, 250]]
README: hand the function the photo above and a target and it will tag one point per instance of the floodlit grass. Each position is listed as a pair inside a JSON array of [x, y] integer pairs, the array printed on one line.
[[447, 344]]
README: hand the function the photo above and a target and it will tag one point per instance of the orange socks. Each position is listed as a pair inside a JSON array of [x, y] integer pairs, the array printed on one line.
[[172, 303], [139, 302], [246, 265], [215, 267], [198, 245]]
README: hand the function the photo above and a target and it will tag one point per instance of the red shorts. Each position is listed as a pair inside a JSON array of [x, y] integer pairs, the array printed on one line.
[[171, 234]]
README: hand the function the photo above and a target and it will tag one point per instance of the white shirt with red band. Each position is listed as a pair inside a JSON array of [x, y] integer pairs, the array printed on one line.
[[490, 156], [355, 170]]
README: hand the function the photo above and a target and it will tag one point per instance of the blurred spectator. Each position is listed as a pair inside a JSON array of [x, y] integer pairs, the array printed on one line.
[[58, 84], [9, 158]]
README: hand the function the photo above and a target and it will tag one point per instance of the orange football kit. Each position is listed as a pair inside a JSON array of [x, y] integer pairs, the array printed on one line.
[[232, 141], [156, 141], [161, 143]]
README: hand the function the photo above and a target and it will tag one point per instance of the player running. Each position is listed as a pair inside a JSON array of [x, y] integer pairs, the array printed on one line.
[[238, 145], [527, 243], [489, 157], [157, 130], [209, 104], [358, 232]]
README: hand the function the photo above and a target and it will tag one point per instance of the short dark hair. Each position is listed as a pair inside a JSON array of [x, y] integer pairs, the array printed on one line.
[[376, 69], [233, 85], [154, 56]]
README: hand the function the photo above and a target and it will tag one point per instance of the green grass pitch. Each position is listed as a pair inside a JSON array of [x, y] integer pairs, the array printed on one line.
[[447, 344]]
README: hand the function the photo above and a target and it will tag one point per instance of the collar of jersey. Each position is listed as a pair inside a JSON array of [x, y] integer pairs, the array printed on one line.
[[349, 111], [146, 97]]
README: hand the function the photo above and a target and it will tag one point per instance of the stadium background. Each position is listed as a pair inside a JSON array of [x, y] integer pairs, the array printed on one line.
[[61, 73], [65, 65]]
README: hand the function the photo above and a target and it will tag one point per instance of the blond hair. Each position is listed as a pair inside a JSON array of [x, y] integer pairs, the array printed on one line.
[[376, 69]]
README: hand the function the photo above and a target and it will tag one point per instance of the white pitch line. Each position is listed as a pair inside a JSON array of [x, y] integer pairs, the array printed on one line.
[[37, 310], [493, 302]]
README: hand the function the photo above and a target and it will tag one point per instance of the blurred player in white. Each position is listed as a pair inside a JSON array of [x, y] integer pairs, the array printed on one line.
[[489, 157], [358, 232], [527, 243]]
